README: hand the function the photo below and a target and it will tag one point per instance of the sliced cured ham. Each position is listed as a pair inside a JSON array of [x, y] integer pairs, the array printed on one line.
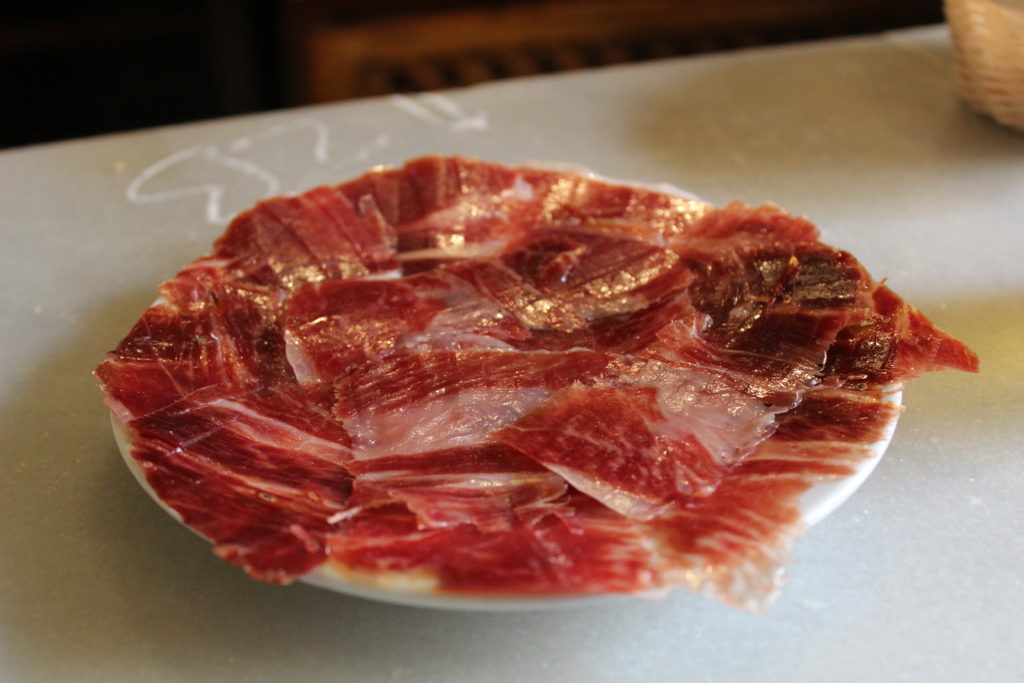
[[259, 473], [894, 342], [222, 334], [636, 464], [412, 402], [320, 235], [464, 378], [582, 546], [448, 208], [331, 326], [488, 486]]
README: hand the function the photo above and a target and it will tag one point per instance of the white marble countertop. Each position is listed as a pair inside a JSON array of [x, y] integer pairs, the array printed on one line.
[[917, 577]]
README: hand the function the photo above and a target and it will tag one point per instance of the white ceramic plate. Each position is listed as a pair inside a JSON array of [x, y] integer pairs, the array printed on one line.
[[816, 504]]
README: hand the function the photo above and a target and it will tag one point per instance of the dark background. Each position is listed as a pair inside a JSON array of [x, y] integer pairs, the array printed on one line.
[[70, 69]]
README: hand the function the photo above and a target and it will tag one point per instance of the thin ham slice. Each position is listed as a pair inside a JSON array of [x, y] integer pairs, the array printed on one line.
[[629, 464], [673, 436], [733, 544], [583, 289], [319, 235], [894, 342], [331, 326], [259, 473], [489, 486], [427, 401], [586, 548], [448, 208], [223, 334]]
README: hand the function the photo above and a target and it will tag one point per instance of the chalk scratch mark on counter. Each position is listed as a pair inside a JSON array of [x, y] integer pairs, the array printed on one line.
[[214, 171], [213, 190], [440, 111], [321, 137], [363, 153]]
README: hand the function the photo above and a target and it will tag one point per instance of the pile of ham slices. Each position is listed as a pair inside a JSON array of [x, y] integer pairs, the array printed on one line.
[[510, 381]]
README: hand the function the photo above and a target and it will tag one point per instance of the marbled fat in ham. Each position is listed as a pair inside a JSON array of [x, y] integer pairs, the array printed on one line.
[[411, 402], [260, 472], [511, 381], [489, 486]]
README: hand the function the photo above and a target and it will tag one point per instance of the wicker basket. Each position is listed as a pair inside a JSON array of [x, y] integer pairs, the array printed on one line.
[[988, 44]]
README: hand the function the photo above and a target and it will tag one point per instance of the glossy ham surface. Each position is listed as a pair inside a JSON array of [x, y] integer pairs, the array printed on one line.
[[486, 380]]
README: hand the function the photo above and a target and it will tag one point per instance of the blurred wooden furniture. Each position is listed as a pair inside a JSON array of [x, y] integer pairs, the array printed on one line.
[[72, 69], [337, 58]]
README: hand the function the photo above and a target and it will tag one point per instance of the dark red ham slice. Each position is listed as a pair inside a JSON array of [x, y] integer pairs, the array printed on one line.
[[261, 474], [224, 334], [333, 325], [768, 311], [316, 236], [636, 464], [730, 545], [330, 326], [571, 200], [893, 343], [646, 437], [496, 381], [586, 548], [448, 208], [576, 288]]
